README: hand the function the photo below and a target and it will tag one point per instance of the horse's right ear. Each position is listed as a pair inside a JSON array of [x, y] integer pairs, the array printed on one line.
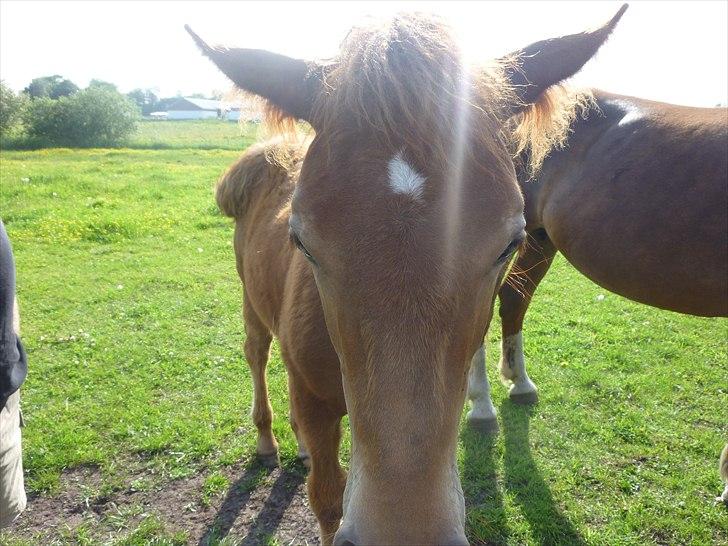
[[290, 84], [535, 68]]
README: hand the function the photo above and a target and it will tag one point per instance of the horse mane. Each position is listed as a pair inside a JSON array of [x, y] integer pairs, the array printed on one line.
[[545, 125], [407, 77]]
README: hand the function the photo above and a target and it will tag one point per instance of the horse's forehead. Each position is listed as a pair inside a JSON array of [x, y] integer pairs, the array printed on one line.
[[387, 192]]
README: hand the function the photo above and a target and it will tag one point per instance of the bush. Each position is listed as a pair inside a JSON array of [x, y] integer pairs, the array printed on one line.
[[11, 109], [92, 117]]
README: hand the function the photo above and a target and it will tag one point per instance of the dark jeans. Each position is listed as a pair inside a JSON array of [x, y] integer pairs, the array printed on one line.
[[13, 362]]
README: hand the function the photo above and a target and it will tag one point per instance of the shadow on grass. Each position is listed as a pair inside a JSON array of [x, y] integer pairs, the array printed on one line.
[[486, 521], [268, 518], [522, 478]]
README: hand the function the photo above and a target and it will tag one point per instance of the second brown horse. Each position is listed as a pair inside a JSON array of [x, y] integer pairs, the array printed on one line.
[[637, 201]]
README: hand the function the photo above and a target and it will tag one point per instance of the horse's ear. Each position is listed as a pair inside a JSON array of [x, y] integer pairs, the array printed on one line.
[[535, 68], [290, 84]]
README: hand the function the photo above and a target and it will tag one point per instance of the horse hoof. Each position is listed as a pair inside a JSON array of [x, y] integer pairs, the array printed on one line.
[[305, 460], [524, 398], [723, 498], [269, 460], [484, 426]]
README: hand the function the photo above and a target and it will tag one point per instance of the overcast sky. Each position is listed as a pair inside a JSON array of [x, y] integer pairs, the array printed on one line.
[[670, 51]]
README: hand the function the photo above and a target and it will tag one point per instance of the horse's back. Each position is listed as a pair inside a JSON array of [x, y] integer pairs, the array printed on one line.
[[262, 178], [278, 282], [639, 202], [256, 191]]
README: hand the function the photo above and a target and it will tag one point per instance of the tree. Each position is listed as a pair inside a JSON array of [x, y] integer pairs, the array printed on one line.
[[101, 84], [11, 108], [145, 99], [52, 87], [92, 117]]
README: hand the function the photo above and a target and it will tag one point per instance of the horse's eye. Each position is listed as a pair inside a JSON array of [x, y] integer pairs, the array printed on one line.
[[510, 249], [299, 245]]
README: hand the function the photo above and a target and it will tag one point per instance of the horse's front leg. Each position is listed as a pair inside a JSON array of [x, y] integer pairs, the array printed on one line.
[[723, 469], [482, 415], [515, 296], [320, 429]]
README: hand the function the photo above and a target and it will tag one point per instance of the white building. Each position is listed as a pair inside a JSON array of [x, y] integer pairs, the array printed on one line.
[[189, 108], [241, 107], [233, 114]]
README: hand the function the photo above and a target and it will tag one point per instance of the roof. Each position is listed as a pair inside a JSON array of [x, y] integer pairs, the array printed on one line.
[[184, 103]]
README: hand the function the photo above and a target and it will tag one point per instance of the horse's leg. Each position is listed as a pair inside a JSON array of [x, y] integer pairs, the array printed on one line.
[[302, 451], [257, 345], [723, 469], [530, 267], [320, 428], [482, 416]]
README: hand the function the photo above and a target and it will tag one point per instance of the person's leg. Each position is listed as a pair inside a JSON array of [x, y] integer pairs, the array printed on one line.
[[12, 490]]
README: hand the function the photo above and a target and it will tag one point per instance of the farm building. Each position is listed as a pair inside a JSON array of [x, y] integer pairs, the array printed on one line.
[[238, 106], [246, 111], [233, 114], [189, 108]]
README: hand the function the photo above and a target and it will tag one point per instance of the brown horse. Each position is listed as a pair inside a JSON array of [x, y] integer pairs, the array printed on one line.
[[637, 201], [405, 210]]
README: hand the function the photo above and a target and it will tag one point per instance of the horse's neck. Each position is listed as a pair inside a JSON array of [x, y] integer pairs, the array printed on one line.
[[583, 131]]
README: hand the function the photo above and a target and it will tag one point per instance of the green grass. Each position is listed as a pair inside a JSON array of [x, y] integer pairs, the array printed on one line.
[[131, 317], [211, 134], [206, 134]]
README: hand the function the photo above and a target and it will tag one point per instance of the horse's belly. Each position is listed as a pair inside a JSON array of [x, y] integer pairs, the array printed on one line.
[[664, 250]]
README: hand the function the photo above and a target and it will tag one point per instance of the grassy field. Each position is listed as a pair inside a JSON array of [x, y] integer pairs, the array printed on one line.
[[204, 134], [136, 405], [209, 134]]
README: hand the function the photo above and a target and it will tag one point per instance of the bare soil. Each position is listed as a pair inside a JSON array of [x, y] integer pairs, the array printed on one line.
[[259, 504]]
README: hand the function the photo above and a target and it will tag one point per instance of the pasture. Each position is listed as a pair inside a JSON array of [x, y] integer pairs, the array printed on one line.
[[137, 400]]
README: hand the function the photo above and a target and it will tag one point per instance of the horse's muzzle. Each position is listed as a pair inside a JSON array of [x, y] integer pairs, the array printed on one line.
[[344, 538]]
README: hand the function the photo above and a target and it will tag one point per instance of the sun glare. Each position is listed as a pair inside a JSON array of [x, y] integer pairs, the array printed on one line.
[[143, 45]]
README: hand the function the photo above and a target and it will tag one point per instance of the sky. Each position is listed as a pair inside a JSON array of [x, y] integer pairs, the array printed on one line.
[[670, 51]]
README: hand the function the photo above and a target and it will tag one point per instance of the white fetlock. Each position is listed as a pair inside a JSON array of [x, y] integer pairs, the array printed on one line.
[[512, 362], [522, 387], [482, 415], [482, 412], [513, 371]]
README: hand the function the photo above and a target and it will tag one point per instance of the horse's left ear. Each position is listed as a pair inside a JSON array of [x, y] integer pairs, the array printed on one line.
[[290, 84], [535, 68]]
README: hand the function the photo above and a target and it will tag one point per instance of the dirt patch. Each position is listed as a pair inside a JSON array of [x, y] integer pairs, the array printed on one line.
[[259, 504]]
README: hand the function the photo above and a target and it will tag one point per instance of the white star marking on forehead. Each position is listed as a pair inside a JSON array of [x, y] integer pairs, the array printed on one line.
[[403, 178]]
